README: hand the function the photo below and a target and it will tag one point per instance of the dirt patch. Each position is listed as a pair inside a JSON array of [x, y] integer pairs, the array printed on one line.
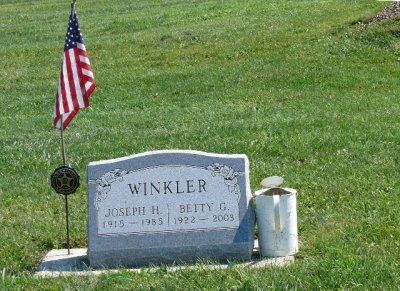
[[389, 12]]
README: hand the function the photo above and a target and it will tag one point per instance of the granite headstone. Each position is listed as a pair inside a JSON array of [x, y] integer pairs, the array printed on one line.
[[169, 206]]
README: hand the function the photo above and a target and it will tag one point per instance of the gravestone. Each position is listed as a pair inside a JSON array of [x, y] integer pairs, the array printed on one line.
[[169, 206]]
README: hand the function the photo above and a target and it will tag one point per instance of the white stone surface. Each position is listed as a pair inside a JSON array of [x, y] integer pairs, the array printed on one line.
[[165, 199], [169, 206], [60, 260], [58, 263]]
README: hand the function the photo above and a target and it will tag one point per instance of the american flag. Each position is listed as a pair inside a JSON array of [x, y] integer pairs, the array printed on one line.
[[76, 81]]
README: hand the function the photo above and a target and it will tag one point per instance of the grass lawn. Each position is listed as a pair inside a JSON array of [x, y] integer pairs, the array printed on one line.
[[305, 89]]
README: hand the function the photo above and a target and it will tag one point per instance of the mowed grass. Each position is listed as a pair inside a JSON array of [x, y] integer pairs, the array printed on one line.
[[300, 87]]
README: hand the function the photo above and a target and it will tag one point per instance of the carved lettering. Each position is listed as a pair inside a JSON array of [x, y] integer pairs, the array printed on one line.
[[167, 198], [177, 188], [168, 187], [195, 208], [190, 187], [125, 211], [202, 185], [135, 189], [155, 188]]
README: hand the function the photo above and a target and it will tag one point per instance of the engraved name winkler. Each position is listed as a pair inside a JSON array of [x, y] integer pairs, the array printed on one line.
[[168, 187]]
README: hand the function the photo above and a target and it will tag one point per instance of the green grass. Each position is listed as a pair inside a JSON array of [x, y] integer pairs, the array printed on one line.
[[300, 87]]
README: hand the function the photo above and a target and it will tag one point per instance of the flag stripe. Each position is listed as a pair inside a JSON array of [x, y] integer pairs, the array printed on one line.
[[66, 92], [82, 52], [58, 100], [88, 85], [84, 59], [91, 88], [87, 73], [81, 81], [64, 98], [58, 123], [88, 79], [71, 81], [81, 46], [86, 66], [68, 117], [75, 78], [57, 107]]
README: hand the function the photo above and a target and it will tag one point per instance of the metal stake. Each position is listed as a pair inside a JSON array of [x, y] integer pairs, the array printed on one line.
[[73, 8], [66, 214], [62, 139], [66, 196]]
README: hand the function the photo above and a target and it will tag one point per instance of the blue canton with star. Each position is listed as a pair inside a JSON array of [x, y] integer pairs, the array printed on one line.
[[74, 34]]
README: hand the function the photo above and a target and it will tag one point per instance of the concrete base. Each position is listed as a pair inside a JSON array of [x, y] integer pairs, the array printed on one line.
[[59, 263]]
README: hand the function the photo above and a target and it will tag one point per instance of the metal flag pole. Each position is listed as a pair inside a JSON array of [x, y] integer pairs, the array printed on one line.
[[66, 196], [65, 180], [62, 140], [73, 8], [66, 214], [64, 157]]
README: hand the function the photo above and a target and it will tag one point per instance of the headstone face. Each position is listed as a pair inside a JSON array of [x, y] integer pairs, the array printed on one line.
[[169, 206]]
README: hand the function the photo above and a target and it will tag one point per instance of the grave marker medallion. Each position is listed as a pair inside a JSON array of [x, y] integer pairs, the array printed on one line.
[[169, 206]]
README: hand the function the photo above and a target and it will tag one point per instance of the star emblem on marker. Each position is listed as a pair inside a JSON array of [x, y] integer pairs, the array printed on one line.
[[65, 180]]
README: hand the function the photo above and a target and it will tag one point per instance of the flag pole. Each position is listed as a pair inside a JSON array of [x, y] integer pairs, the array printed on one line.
[[66, 214], [62, 140], [64, 157], [65, 180], [73, 8], [66, 196]]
